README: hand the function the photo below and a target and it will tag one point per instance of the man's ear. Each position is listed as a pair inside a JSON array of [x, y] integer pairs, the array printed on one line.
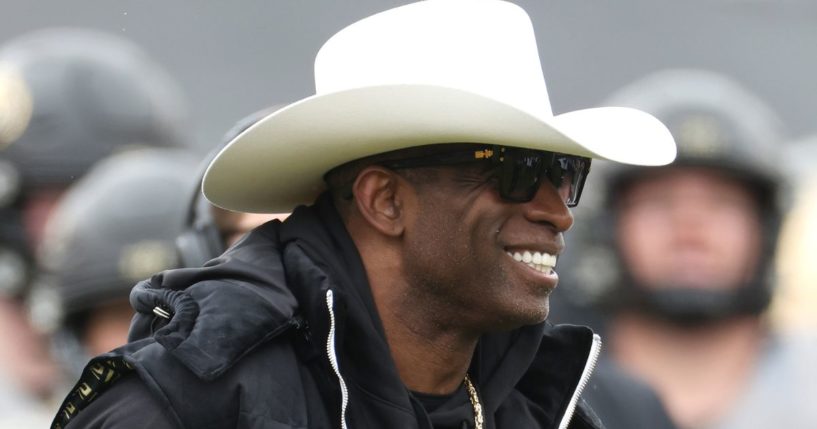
[[380, 199]]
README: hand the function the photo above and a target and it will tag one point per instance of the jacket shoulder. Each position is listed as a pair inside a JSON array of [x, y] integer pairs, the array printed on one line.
[[263, 389], [126, 404]]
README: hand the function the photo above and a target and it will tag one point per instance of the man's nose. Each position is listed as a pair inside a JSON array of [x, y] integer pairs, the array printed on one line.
[[547, 206]]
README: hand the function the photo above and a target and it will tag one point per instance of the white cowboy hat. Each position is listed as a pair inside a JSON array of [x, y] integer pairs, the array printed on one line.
[[437, 71]]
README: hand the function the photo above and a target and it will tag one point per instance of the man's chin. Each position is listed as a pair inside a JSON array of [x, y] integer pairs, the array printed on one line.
[[529, 315]]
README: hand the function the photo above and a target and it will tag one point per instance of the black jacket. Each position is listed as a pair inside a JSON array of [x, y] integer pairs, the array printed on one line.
[[282, 332]]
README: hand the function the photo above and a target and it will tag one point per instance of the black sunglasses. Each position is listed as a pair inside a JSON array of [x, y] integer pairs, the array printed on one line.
[[520, 171]]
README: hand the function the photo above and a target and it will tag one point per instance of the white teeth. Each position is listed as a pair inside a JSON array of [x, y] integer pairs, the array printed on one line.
[[539, 261]]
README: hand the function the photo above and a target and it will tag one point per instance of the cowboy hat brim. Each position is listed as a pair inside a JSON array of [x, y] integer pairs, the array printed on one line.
[[279, 162]]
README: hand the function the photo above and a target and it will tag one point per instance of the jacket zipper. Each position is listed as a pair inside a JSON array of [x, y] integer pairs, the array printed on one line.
[[589, 366], [333, 358]]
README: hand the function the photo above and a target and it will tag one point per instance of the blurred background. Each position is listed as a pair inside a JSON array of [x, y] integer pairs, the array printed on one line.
[[183, 73]]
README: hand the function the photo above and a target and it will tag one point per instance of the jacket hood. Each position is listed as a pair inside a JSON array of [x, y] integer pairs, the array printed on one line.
[[242, 295]]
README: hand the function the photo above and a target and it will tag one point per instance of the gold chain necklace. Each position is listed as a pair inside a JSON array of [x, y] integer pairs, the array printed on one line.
[[472, 395]]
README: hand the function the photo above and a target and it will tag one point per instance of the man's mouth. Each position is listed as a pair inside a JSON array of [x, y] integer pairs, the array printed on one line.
[[539, 261]]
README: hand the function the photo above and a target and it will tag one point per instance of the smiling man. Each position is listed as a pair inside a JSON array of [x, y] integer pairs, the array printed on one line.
[[413, 291]]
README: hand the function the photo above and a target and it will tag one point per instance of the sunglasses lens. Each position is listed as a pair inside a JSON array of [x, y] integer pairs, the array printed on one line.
[[523, 170], [574, 171], [520, 174]]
